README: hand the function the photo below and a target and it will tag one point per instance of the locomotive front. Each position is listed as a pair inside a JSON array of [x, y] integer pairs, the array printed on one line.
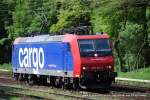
[[97, 61]]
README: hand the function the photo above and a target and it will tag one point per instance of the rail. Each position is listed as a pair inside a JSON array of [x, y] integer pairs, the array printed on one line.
[[133, 80]]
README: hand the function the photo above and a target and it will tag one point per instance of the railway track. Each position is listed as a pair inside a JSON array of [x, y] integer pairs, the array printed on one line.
[[129, 88], [41, 92], [7, 84], [129, 92], [118, 91]]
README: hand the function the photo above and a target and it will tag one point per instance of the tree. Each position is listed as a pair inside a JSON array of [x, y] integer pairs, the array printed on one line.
[[6, 8], [110, 17], [71, 13], [117, 18]]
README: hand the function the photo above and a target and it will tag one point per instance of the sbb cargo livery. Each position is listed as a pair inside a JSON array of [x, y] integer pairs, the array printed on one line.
[[64, 60]]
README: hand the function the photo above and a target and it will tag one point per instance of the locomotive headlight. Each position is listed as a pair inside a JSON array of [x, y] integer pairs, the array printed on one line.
[[109, 66], [83, 68]]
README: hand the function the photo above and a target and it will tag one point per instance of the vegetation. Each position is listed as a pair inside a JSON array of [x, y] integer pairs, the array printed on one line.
[[127, 21], [138, 74], [6, 66]]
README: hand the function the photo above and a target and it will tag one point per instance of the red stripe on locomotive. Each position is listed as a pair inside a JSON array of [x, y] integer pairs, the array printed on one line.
[[79, 62]]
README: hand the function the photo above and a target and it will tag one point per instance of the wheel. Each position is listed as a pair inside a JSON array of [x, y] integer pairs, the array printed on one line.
[[32, 79], [16, 76], [76, 84], [20, 78]]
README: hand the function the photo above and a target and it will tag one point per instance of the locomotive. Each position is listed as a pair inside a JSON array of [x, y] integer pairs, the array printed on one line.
[[80, 61]]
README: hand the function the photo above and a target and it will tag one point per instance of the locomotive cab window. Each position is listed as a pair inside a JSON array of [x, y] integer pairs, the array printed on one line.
[[99, 46], [102, 44], [86, 45]]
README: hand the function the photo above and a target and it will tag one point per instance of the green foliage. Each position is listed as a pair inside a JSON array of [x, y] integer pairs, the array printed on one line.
[[6, 66], [22, 18], [71, 13], [137, 74], [127, 21], [32, 16]]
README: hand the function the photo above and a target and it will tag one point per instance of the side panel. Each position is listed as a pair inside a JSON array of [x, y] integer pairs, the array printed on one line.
[[72, 39], [42, 58], [68, 58]]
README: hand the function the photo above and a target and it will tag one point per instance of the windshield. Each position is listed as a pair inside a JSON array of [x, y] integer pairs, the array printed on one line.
[[101, 44], [97, 46], [86, 45]]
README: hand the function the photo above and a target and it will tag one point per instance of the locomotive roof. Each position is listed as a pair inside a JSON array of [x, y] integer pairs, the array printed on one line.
[[39, 38], [57, 38]]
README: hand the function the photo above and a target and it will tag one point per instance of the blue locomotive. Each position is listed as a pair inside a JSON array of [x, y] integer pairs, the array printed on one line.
[[64, 60]]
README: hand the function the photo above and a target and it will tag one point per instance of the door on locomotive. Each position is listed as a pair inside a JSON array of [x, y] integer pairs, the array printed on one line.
[[67, 58]]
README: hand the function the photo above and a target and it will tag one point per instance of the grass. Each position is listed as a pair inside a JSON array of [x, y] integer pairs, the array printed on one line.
[[6, 66], [138, 74]]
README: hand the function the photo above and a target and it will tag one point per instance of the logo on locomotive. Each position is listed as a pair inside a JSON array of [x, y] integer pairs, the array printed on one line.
[[31, 57]]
